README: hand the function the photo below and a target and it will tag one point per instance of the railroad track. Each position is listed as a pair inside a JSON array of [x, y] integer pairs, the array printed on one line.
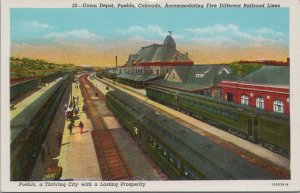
[[111, 161]]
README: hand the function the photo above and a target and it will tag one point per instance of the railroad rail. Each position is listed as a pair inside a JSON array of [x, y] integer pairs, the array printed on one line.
[[111, 161]]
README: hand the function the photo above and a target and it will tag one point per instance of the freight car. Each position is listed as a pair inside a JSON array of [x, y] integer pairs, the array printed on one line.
[[180, 152], [29, 129], [21, 88], [270, 129]]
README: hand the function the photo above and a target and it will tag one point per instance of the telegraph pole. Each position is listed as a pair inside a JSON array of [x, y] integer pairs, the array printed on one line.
[[44, 76]]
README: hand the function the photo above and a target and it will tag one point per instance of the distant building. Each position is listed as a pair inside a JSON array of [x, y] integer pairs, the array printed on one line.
[[267, 62], [266, 89], [201, 79], [158, 59]]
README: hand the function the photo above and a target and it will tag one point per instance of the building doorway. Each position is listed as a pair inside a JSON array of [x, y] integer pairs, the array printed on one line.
[[229, 97]]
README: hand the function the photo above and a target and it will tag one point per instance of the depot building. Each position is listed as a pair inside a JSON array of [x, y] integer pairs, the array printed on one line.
[[158, 59]]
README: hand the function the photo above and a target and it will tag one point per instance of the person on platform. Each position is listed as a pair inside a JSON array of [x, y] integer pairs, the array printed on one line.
[[59, 139], [48, 147], [76, 110], [81, 127], [43, 152], [70, 127]]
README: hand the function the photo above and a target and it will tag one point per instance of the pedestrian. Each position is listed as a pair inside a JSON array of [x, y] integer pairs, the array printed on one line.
[[81, 127], [71, 114], [66, 107], [43, 153], [70, 127], [47, 147], [76, 110], [59, 138]]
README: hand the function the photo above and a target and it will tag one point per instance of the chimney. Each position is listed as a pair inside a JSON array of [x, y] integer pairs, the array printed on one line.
[[116, 61]]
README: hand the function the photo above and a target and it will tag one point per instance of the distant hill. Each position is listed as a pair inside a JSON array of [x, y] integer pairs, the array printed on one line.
[[25, 67], [243, 69]]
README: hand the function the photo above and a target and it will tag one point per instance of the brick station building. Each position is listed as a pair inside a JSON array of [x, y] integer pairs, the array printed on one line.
[[266, 89], [158, 59]]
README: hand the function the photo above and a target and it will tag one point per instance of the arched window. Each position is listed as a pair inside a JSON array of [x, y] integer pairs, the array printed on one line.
[[260, 103], [278, 106], [244, 100]]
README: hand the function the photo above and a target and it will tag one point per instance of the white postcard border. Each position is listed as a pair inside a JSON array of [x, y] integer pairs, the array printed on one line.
[[237, 185]]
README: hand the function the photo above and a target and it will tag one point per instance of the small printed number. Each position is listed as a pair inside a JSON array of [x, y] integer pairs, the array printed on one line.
[[280, 184]]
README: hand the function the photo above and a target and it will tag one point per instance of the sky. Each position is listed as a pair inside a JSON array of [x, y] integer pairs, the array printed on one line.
[[96, 36]]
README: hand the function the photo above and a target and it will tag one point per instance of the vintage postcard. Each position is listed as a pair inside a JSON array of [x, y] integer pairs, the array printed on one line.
[[150, 95]]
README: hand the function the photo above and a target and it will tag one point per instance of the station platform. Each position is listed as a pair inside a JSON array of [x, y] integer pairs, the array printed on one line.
[[74, 153], [204, 128], [77, 153]]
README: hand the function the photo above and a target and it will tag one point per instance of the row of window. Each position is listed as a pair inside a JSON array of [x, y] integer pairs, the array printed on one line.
[[208, 108], [172, 161], [278, 105], [141, 71]]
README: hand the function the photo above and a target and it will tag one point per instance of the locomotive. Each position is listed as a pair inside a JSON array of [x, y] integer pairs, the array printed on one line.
[[181, 153], [272, 130]]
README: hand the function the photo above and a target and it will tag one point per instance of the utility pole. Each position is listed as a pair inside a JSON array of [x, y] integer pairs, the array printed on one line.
[[71, 87], [44, 76]]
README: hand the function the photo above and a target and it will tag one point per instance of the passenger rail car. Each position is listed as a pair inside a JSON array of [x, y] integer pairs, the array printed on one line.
[[21, 88], [29, 129], [51, 77], [180, 152], [270, 129]]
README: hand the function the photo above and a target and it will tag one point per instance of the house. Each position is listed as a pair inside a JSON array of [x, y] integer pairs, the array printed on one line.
[[201, 79]]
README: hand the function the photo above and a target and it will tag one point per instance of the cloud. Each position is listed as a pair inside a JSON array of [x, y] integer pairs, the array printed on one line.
[[80, 36], [145, 30], [35, 25], [233, 35], [267, 31], [220, 29]]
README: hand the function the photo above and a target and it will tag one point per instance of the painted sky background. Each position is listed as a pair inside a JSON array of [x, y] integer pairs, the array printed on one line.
[[96, 36]]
